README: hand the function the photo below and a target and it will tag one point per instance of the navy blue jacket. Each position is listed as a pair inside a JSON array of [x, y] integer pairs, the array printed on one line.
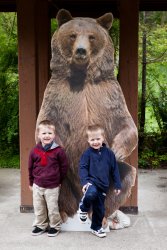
[[98, 167]]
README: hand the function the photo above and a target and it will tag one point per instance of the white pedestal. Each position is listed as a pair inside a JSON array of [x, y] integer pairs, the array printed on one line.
[[74, 224]]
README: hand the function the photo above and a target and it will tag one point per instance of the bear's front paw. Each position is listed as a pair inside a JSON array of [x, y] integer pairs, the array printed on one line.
[[124, 143]]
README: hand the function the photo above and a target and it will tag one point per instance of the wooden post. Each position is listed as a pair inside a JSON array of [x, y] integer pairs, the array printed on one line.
[[43, 46], [128, 78], [33, 77]]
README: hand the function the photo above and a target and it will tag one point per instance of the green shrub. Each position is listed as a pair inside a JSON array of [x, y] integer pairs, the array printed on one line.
[[9, 161], [152, 154]]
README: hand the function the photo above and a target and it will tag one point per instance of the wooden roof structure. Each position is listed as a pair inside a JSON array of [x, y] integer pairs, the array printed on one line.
[[34, 56], [81, 6]]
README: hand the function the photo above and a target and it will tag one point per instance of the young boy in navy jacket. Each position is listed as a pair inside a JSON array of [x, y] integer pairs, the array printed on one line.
[[48, 166], [97, 166]]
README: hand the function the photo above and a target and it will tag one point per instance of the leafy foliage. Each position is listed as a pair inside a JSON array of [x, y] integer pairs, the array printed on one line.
[[153, 151], [9, 134], [9, 161], [156, 60], [153, 154], [54, 26], [114, 33]]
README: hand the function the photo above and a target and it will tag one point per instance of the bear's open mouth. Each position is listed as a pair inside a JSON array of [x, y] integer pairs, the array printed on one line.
[[81, 59]]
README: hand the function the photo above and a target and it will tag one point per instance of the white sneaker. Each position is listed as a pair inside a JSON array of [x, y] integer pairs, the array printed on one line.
[[99, 233], [82, 216]]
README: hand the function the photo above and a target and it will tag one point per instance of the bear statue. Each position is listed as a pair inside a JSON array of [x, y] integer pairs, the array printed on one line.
[[83, 91]]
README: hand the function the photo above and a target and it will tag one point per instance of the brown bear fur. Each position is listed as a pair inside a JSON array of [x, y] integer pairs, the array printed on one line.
[[83, 91]]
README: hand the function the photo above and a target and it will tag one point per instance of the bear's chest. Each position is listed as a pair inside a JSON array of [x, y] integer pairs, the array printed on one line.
[[79, 107], [91, 101]]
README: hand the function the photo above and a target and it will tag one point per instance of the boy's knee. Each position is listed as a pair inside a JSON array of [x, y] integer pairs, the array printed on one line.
[[91, 195]]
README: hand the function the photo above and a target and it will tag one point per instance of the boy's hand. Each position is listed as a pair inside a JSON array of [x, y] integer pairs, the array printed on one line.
[[30, 187], [117, 191]]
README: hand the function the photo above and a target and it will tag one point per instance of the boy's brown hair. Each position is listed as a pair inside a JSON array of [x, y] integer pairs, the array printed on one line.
[[95, 127], [46, 123]]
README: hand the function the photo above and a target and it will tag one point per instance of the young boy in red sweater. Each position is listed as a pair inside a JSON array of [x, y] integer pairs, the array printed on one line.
[[48, 166]]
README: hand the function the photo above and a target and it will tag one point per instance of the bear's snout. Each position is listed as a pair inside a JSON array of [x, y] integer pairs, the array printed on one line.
[[81, 52], [81, 56]]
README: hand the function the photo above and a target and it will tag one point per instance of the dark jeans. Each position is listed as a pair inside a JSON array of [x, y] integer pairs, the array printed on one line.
[[94, 198]]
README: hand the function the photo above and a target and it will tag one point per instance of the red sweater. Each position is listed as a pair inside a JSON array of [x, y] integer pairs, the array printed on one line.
[[47, 168]]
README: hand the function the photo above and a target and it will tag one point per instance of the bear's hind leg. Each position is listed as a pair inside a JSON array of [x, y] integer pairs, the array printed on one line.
[[70, 196], [127, 175]]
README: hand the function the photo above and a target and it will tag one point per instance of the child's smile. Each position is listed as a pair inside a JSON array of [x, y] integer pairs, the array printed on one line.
[[96, 139]]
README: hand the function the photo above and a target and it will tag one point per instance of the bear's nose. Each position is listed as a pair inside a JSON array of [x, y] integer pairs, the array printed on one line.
[[81, 51]]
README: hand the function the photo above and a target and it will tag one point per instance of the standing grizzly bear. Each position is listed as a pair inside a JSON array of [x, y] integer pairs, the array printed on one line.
[[83, 91]]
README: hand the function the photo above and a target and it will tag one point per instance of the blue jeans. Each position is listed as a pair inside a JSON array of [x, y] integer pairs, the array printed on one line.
[[94, 198]]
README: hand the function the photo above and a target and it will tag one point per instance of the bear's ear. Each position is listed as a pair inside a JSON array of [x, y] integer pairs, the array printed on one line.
[[105, 21], [63, 16]]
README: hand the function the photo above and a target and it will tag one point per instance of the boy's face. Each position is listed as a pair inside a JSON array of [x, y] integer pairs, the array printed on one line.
[[95, 139], [46, 134]]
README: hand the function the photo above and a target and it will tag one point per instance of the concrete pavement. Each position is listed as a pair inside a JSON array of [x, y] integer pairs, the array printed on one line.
[[148, 229]]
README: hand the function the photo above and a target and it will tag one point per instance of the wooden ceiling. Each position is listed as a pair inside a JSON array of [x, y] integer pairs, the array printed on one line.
[[92, 8]]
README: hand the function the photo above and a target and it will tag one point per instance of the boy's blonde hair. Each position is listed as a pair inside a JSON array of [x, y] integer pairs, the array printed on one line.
[[46, 123], [94, 128]]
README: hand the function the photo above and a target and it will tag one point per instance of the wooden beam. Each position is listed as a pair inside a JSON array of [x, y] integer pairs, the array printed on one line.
[[128, 78]]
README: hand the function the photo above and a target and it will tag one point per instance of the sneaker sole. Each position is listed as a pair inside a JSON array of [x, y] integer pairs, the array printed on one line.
[[99, 235], [83, 216], [83, 220], [53, 235]]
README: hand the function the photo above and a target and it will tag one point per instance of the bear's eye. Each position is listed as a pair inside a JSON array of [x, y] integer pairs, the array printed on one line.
[[73, 37], [91, 38]]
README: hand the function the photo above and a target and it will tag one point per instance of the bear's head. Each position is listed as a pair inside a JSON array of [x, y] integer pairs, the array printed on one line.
[[81, 42]]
